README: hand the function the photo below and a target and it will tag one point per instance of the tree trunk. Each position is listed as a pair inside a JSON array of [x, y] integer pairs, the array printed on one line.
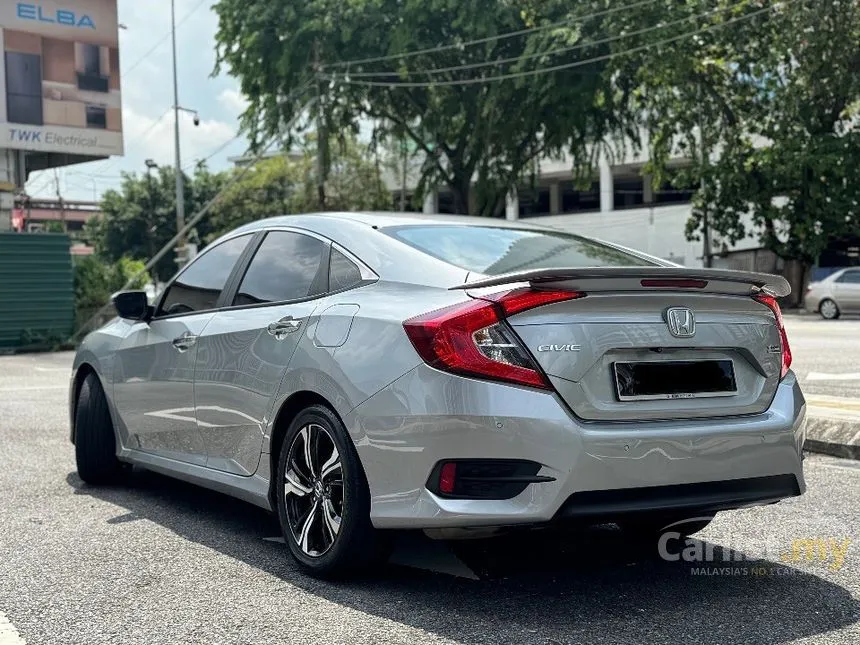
[[797, 273], [460, 191]]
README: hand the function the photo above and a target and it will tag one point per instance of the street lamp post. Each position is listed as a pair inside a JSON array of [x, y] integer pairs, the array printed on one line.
[[150, 227], [180, 194]]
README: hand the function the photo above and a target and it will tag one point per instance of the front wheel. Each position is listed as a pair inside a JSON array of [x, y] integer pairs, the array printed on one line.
[[95, 442], [323, 498], [828, 309]]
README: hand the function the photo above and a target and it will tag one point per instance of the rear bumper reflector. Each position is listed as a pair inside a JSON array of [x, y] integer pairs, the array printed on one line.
[[483, 478]]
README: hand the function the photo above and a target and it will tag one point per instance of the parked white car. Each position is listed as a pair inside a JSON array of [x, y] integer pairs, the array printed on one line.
[[837, 294]]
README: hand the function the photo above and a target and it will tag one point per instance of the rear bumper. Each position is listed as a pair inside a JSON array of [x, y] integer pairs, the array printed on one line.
[[597, 469]]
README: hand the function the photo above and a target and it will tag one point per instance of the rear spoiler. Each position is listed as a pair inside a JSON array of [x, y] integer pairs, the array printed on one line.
[[630, 278]]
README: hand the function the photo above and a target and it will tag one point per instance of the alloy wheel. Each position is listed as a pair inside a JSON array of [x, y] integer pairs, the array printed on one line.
[[828, 309], [313, 489]]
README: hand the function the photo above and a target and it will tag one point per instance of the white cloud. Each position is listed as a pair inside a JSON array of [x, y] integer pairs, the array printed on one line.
[[233, 100]]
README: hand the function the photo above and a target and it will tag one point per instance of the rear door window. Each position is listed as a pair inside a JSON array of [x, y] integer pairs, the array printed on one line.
[[494, 250], [287, 266], [850, 277], [198, 287]]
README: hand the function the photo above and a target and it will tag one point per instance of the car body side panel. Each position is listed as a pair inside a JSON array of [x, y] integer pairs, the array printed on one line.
[[154, 387], [375, 352], [238, 372], [427, 415]]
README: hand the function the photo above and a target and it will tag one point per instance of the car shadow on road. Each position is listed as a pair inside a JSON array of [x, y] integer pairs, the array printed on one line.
[[543, 587]]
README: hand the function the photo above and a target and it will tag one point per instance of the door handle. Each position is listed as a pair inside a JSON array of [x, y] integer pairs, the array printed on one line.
[[280, 328], [185, 342]]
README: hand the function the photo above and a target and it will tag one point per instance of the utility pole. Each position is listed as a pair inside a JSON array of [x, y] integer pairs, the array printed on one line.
[[150, 228], [180, 189], [322, 135], [60, 199], [403, 170], [707, 257]]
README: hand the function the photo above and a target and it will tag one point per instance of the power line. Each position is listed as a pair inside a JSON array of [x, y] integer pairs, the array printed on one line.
[[214, 152], [488, 39], [160, 42], [551, 52], [555, 68]]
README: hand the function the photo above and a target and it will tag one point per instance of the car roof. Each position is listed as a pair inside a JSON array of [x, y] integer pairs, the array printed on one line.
[[384, 219]]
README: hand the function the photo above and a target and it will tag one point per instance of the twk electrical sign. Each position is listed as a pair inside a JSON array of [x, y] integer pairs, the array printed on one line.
[[60, 83]]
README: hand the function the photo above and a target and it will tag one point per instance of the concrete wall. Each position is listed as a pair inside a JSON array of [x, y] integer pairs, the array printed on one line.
[[659, 231]]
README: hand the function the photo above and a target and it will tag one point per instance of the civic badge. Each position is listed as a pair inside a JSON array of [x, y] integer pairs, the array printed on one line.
[[681, 322]]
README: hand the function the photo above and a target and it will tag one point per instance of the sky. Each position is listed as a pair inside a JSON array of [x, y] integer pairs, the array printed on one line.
[[147, 99]]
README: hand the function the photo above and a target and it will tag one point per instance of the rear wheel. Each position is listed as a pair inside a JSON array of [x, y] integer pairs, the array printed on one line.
[[323, 498], [650, 527], [828, 309], [95, 442]]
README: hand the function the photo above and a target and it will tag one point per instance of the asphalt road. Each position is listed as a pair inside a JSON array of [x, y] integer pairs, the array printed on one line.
[[158, 561], [826, 354]]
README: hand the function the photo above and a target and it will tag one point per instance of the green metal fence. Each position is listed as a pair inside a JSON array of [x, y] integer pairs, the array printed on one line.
[[37, 299]]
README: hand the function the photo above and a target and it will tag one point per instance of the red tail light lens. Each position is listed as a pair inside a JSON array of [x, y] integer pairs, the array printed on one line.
[[472, 339], [771, 303], [448, 477]]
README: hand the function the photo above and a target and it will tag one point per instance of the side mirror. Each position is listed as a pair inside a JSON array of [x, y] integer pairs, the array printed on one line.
[[131, 305]]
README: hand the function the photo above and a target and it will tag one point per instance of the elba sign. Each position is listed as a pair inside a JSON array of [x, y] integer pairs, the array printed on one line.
[[67, 17], [60, 84]]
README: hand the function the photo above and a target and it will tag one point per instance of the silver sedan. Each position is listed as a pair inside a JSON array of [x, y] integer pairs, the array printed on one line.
[[837, 294], [356, 373]]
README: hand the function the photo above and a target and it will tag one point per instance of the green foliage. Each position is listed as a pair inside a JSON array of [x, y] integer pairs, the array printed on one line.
[[287, 185], [776, 97], [95, 280], [140, 217], [489, 132]]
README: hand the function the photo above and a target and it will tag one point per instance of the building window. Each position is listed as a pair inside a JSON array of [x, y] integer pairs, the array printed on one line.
[[96, 117], [445, 203], [674, 191], [628, 192], [574, 200], [534, 201]]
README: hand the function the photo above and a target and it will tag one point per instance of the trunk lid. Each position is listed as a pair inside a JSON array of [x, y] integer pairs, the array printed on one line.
[[590, 346]]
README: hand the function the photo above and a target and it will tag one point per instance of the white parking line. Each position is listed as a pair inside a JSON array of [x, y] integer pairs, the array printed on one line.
[[825, 376], [33, 388], [8, 634]]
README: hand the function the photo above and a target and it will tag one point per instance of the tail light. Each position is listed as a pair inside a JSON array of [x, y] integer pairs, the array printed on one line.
[[771, 303], [473, 339]]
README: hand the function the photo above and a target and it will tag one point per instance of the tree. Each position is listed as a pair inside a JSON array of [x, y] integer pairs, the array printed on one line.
[[774, 97], [286, 184], [140, 217], [478, 138], [95, 281]]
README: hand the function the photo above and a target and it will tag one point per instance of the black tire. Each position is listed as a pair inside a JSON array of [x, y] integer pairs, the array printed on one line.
[[95, 442], [828, 309], [356, 546], [650, 527]]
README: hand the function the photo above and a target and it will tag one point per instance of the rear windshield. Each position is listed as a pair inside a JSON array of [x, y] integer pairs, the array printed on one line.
[[493, 251]]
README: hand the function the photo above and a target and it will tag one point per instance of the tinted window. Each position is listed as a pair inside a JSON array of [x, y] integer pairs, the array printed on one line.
[[493, 251], [198, 287], [285, 267], [343, 273], [851, 277]]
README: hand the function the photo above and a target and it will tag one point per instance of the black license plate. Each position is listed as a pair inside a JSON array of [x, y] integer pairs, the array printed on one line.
[[674, 380]]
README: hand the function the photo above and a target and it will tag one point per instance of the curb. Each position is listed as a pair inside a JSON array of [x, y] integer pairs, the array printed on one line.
[[837, 437]]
